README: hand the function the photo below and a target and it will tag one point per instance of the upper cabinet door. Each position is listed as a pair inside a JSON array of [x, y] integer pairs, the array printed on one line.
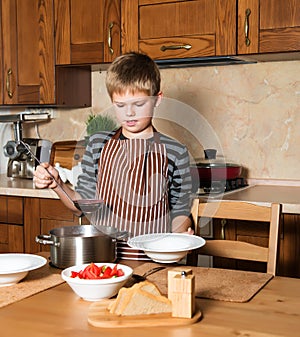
[[87, 31], [28, 52], [178, 29], [268, 26]]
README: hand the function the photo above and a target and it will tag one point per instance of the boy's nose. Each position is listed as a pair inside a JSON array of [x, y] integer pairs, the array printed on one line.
[[130, 110]]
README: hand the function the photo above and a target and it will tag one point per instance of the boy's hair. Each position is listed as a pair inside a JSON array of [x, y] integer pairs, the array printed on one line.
[[133, 72]]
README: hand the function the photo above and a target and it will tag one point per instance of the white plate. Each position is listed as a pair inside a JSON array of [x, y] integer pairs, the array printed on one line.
[[14, 267], [166, 247]]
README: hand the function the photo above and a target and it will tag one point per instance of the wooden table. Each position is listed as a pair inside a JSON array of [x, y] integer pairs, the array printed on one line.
[[273, 312]]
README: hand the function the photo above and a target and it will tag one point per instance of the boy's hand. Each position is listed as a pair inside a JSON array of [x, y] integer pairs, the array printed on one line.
[[42, 179], [189, 231], [182, 224]]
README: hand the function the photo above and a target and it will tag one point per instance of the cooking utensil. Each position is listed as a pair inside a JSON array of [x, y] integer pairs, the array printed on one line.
[[136, 278], [84, 205], [143, 277], [214, 169], [81, 244]]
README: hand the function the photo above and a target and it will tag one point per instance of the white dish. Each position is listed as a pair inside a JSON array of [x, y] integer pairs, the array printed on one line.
[[96, 290], [14, 267], [166, 247]]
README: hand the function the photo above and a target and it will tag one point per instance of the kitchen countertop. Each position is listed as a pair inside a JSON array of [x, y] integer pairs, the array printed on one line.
[[273, 312], [23, 188], [288, 196]]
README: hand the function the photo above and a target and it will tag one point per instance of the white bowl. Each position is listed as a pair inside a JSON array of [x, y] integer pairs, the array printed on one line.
[[96, 290], [166, 247], [14, 267]]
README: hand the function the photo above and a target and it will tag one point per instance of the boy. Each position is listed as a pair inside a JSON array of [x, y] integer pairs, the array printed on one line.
[[142, 176]]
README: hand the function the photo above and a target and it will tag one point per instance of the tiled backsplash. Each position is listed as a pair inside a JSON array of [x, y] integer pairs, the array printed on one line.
[[253, 111]]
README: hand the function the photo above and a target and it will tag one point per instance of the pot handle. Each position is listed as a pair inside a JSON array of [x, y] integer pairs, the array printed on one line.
[[210, 154], [122, 235], [44, 240]]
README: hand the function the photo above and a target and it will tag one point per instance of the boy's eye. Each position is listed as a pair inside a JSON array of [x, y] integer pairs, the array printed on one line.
[[139, 104], [119, 105]]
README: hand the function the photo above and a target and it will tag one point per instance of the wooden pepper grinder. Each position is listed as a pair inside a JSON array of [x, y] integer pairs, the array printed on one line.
[[181, 292]]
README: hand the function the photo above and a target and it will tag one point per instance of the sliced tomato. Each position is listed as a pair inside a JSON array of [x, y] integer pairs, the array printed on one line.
[[92, 272], [114, 271], [93, 269], [120, 272], [74, 274], [107, 273]]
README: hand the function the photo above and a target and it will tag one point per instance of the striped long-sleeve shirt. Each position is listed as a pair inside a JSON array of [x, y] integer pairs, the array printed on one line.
[[179, 178]]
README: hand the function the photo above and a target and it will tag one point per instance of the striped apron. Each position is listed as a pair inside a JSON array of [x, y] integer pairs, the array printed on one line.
[[133, 182]]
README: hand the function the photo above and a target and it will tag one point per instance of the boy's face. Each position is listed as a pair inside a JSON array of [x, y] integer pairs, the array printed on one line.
[[135, 111]]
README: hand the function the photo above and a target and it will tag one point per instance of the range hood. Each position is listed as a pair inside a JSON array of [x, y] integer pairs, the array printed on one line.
[[202, 62]]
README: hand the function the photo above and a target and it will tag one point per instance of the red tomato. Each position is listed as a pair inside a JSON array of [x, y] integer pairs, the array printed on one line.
[[120, 272], [94, 272], [107, 273]]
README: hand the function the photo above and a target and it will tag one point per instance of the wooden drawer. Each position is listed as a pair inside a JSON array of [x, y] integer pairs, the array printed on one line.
[[197, 28], [11, 210], [11, 238], [55, 209]]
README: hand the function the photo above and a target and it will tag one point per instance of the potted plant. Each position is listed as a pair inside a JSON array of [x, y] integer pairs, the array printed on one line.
[[98, 123]]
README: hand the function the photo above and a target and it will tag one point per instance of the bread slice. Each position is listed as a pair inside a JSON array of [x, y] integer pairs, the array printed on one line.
[[149, 287], [112, 307], [143, 303], [141, 299]]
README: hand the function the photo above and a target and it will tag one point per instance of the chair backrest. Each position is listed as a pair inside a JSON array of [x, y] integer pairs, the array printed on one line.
[[241, 210]]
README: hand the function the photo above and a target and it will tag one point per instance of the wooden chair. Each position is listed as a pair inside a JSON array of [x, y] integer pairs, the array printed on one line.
[[238, 249]]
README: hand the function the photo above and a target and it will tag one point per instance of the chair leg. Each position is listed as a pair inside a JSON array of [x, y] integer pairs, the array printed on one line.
[[192, 258]]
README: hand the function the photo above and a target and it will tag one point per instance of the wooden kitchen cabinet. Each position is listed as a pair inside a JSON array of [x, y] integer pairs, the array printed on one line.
[[87, 32], [11, 225], [288, 261], [289, 251], [268, 26], [27, 61], [166, 29], [28, 51], [40, 216]]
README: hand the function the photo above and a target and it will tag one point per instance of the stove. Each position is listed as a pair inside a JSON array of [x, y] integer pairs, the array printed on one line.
[[224, 186]]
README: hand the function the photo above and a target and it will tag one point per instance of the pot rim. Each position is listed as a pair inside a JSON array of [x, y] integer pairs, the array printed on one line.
[[85, 231]]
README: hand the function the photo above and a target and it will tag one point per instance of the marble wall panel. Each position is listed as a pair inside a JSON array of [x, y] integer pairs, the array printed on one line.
[[253, 111]]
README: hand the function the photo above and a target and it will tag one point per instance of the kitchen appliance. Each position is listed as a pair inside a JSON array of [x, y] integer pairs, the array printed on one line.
[[215, 175], [20, 162], [73, 245]]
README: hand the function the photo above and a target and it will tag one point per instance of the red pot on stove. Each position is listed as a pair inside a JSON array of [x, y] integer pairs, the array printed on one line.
[[213, 169]]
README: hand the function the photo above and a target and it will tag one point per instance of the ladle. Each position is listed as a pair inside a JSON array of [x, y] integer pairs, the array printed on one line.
[[84, 205]]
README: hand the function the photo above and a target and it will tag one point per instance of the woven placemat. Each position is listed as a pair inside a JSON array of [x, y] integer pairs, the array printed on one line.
[[214, 283], [36, 281]]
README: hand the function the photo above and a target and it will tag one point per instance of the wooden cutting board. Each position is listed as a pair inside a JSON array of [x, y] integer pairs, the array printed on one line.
[[67, 153], [99, 316]]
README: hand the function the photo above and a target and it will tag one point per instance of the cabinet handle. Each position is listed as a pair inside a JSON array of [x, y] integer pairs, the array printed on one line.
[[223, 223], [109, 39], [246, 27], [8, 89], [184, 46]]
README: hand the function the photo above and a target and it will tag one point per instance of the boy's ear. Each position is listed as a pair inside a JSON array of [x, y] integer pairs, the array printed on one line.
[[158, 99]]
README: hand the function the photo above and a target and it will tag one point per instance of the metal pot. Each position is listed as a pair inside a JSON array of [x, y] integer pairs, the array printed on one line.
[[212, 169], [73, 245]]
